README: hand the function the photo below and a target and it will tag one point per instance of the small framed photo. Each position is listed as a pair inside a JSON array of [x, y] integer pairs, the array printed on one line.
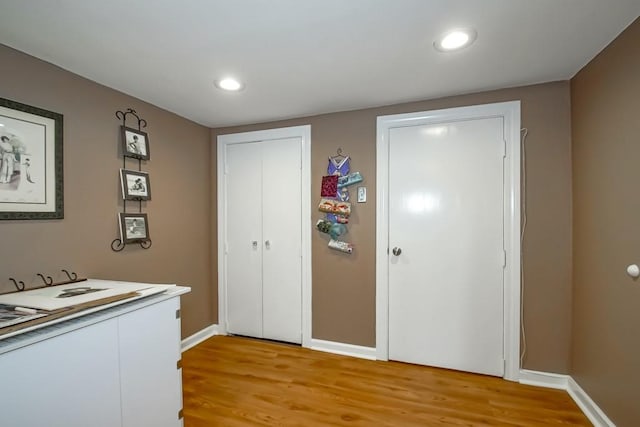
[[135, 143], [134, 227], [135, 185]]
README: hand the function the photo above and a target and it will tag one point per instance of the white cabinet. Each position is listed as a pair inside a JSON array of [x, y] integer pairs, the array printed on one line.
[[150, 381], [68, 381], [117, 368], [263, 230]]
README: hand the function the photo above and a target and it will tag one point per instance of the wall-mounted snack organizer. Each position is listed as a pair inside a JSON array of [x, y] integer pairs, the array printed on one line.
[[335, 202], [135, 184]]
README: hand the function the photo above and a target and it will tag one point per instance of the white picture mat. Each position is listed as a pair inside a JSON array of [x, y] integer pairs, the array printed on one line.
[[38, 134], [132, 185], [134, 146], [46, 298], [128, 183]]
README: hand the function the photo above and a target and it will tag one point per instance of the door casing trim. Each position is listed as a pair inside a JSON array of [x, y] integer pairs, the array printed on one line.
[[510, 112]]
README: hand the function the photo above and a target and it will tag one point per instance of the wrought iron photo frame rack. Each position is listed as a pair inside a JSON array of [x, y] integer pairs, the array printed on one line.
[[118, 244]]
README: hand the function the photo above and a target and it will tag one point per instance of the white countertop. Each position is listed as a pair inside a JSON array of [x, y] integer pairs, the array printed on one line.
[[46, 330]]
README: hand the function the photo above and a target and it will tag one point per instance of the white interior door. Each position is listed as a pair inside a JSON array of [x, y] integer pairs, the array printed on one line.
[[446, 221], [244, 241], [282, 240]]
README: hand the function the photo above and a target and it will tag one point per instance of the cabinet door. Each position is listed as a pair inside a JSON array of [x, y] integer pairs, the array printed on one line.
[[151, 384], [71, 380], [282, 239], [244, 239]]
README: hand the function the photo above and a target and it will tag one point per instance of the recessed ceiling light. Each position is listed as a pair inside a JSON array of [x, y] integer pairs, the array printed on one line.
[[455, 40], [229, 84]]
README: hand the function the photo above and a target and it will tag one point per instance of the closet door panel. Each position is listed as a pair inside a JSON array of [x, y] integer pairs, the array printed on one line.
[[244, 241], [282, 236]]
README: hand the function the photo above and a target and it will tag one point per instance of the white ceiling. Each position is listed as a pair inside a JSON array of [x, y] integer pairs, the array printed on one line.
[[306, 57]]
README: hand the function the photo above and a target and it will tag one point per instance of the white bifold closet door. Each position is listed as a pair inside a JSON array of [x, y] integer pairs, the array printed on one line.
[[264, 234], [244, 239]]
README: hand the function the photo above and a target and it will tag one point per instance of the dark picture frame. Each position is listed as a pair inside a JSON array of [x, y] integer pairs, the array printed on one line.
[[134, 227], [135, 185], [31, 162], [135, 143]]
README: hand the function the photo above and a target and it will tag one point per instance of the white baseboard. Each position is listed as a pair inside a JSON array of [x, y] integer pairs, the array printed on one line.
[[588, 406], [199, 336], [544, 379], [565, 382], [343, 349]]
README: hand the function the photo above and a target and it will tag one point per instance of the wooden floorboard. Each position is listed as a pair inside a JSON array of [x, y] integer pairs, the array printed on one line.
[[233, 381]]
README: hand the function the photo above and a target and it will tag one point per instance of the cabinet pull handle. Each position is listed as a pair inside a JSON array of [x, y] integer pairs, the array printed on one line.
[[255, 244], [267, 244]]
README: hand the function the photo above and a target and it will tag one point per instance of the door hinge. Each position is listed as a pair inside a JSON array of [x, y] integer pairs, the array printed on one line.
[[177, 313], [179, 364], [504, 148], [180, 414], [504, 258]]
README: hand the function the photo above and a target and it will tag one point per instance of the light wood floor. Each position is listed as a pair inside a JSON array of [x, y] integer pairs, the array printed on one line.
[[232, 381]]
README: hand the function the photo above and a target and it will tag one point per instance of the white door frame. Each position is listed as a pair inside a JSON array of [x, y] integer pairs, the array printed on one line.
[[510, 113], [303, 132]]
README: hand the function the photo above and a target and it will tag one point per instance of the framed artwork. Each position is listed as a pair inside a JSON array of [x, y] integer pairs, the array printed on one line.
[[134, 227], [135, 143], [135, 185], [31, 178]]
